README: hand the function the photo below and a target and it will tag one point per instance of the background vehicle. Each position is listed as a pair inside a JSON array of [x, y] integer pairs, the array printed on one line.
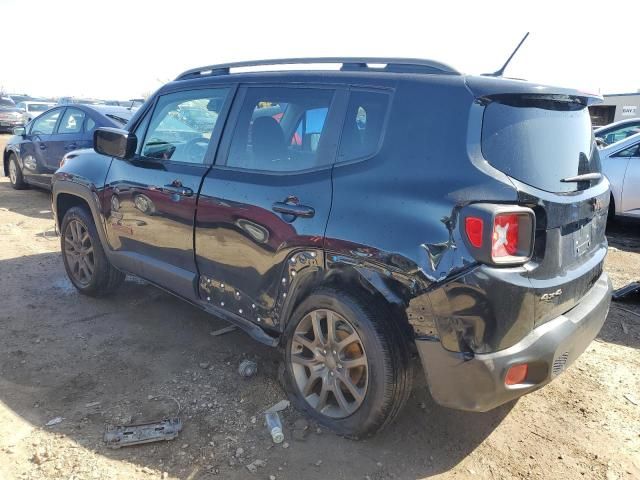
[[80, 101], [31, 109], [10, 115], [621, 165], [617, 131], [34, 153], [341, 218]]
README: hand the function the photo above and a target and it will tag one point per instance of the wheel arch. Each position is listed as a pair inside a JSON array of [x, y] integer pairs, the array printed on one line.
[[67, 194], [360, 281]]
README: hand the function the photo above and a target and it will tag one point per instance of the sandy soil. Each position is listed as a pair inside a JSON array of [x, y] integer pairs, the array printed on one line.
[[130, 357]]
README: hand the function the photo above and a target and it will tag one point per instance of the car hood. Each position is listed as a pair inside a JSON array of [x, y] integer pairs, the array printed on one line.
[[10, 109]]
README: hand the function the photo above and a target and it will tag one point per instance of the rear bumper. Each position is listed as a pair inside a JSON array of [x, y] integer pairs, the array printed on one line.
[[477, 384]]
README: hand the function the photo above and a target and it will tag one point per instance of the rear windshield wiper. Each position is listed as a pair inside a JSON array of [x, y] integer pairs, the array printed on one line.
[[585, 177]]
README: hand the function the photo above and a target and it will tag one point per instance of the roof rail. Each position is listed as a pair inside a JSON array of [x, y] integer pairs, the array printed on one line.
[[407, 65]]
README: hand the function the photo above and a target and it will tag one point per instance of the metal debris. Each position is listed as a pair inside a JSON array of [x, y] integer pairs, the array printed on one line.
[[126, 435], [222, 331], [248, 368], [629, 289], [54, 421]]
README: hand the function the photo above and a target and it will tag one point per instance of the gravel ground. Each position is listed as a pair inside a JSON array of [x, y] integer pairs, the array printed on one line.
[[143, 354]]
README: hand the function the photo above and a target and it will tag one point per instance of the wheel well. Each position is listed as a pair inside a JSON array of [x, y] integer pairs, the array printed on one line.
[[352, 282], [612, 204], [5, 162], [64, 202]]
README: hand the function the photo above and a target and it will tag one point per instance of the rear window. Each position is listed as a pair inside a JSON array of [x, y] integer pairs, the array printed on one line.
[[540, 142]]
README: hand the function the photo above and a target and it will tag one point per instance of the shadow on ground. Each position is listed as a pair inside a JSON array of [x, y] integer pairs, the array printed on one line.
[[60, 351], [28, 202]]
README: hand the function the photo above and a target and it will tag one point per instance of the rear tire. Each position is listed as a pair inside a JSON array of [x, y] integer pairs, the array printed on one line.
[[356, 382], [84, 259], [15, 173]]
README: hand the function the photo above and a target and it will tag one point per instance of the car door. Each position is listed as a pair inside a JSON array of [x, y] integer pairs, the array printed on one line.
[[67, 137], [34, 152], [631, 187], [152, 197], [267, 197]]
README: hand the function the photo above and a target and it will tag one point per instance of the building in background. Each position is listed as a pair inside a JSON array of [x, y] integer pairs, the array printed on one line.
[[619, 106]]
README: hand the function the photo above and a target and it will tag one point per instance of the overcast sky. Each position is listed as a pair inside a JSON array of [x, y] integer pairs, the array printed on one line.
[[119, 49]]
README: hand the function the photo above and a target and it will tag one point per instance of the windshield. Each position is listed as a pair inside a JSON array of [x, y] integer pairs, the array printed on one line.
[[540, 142], [6, 102]]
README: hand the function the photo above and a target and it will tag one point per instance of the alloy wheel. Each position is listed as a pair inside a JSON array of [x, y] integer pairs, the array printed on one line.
[[329, 363], [79, 252], [13, 173]]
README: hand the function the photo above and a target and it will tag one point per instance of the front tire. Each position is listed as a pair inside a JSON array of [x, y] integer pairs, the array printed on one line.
[[86, 264], [346, 363], [15, 173]]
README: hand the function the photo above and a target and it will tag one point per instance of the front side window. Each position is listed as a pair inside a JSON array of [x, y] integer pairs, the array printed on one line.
[[45, 123], [281, 129], [72, 121], [633, 151], [182, 124], [620, 134], [363, 124]]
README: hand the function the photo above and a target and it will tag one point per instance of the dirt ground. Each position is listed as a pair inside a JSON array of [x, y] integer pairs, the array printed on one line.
[[135, 357]]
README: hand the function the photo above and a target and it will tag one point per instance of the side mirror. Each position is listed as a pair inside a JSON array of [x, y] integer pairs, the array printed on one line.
[[114, 142], [19, 131]]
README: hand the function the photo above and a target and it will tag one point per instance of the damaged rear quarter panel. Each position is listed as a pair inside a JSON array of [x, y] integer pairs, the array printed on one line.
[[399, 209]]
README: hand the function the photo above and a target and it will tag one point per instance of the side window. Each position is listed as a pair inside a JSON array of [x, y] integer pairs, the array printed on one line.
[[281, 129], [71, 121], [363, 124], [46, 123], [621, 134], [89, 125], [633, 151], [181, 125]]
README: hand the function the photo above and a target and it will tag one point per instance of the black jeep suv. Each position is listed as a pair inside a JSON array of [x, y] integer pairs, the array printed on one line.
[[354, 217]]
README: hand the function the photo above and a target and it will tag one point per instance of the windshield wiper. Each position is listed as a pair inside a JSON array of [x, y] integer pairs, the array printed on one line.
[[585, 177]]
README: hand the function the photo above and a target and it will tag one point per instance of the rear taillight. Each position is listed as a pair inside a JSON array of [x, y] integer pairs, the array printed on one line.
[[499, 234], [474, 227]]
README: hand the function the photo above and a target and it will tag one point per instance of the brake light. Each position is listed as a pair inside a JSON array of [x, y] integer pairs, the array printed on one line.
[[505, 238], [499, 234], [474, 227]]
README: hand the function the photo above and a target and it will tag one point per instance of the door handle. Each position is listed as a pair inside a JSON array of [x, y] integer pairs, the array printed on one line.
[[71, 146], [43, 146], [291, 208], [179, 190]]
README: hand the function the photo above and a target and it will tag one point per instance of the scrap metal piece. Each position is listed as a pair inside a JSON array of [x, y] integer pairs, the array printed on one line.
[[126, 435], [631, 288]]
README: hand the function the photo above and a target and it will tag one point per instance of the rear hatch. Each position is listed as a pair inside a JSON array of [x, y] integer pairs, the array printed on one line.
[[540, 138]]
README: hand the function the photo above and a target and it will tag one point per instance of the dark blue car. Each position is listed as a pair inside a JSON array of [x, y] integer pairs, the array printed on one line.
[[34, 153]]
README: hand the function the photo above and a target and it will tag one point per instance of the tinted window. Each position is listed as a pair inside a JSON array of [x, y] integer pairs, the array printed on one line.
[[71, 121], [539, 142], [363, 124], [178, 136], [281, 129], [45, 123]]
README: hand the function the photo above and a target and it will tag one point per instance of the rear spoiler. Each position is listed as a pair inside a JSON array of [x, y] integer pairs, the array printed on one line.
[[490, 88]]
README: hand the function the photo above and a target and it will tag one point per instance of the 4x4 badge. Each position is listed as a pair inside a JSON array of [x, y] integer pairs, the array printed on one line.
[[547, 297]]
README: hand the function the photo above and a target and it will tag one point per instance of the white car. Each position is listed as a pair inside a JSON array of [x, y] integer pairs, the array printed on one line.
[[621, 164], [31, 109]]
